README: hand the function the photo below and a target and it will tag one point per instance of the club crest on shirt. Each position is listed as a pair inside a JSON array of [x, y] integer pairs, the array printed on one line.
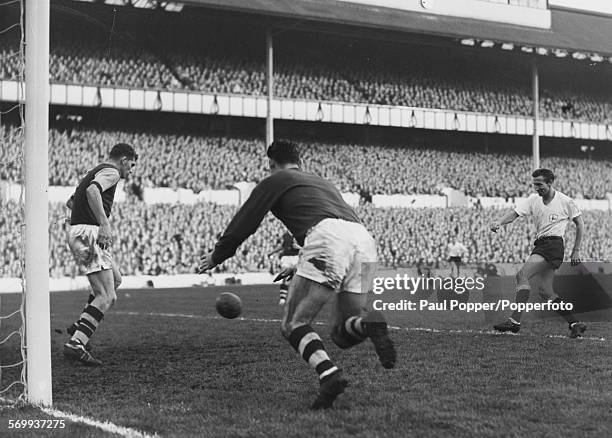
[[553, 217]]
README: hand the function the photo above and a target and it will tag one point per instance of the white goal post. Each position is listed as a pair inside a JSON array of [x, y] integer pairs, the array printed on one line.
[[37, 308]]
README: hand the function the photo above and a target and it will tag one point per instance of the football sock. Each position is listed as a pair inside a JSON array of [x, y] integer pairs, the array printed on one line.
[[284, 289], [73, 328], [309, 345], [87, 324], [522, 296], [349, 333], [565, 314]]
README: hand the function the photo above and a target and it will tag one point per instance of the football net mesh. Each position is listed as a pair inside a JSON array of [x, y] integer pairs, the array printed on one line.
[[12, 202]]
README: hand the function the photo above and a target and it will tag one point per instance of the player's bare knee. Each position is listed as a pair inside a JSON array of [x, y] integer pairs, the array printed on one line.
[[96, 291], [107, 300]]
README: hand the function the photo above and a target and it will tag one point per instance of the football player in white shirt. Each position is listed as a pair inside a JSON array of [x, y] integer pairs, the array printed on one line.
[[456, 250], [551, 211]]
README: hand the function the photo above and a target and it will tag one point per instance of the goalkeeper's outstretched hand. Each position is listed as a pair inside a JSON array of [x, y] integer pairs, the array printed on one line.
[[206, 263]]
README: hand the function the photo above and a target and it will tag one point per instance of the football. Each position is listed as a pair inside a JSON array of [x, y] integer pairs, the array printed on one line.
[[229, 305]]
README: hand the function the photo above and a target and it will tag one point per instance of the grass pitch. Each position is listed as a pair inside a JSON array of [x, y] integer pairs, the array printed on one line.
[[173, 367]]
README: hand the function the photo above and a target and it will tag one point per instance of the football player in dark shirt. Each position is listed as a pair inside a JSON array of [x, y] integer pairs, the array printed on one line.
[[337, 251], [90, 240]]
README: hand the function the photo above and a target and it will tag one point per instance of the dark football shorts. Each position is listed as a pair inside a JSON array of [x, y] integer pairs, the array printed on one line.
[[551, 248], [455, 259]]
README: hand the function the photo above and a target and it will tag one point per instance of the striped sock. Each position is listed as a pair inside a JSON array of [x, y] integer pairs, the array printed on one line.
[[75, 325], [87, 324], [306, 342], [349, 333], [284, 289]]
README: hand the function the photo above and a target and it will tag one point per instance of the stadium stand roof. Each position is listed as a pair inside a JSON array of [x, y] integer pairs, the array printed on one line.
[[571, 30]]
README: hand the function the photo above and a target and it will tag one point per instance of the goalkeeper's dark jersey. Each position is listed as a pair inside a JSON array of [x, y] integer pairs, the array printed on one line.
[[105, 177], [300, 200]]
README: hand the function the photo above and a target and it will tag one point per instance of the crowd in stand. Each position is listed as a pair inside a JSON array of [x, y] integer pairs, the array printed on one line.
[[169, 239], [199, 163], [322, 69], [77, 62], [160, 239]]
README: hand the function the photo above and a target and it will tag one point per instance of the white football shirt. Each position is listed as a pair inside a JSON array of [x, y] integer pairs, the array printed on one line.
[[551, 219], [456, 249]]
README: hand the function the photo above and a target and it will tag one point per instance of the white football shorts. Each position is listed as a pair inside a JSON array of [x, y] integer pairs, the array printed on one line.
[[339, 254], [89, 256]]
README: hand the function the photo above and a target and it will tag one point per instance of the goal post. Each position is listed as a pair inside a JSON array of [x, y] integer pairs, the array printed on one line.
[[37, 308]]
